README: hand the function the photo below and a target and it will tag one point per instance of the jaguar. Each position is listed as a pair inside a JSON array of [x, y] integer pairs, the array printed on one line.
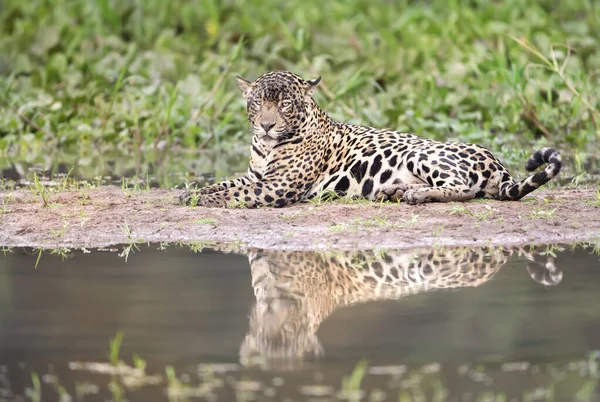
[[298, 152]]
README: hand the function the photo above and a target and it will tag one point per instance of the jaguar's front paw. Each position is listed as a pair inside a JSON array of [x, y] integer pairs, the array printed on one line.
[[393, 194]]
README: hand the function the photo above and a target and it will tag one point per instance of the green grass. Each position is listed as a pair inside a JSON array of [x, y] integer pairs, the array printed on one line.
[[595, 203], [206, 221], [375, 222], [138, 77], [115, 348], [539, 213]]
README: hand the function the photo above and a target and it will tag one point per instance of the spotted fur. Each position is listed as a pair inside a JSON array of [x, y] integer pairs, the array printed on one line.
[[298, 152], [296, 291]]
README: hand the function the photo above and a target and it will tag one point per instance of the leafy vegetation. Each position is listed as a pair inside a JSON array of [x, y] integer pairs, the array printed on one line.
[[149, 77]]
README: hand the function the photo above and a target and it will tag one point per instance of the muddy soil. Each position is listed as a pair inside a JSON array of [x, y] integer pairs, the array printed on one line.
[[106, 216]]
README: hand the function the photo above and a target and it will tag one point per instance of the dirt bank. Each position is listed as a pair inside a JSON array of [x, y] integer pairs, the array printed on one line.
[[107, 216]]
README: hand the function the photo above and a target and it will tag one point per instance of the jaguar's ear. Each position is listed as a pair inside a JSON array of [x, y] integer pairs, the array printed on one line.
[[312, 86], [244, 86]]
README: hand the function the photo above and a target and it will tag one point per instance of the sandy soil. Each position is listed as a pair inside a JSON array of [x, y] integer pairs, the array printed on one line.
[[106, 216]]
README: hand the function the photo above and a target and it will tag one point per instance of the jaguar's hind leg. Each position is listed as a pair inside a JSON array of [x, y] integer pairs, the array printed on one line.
[[394, 192]]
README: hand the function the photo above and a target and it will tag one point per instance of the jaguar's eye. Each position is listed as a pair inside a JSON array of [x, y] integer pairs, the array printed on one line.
[[286, 104]]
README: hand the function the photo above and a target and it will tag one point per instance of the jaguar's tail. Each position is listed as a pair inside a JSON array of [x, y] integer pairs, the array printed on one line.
[[509, 190]]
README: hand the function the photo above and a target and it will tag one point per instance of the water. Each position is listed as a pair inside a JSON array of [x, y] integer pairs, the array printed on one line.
[[449, 324], [164, 168], [169, 168]]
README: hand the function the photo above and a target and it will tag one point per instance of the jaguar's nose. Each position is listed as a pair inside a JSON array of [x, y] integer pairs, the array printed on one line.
[[267, 126]]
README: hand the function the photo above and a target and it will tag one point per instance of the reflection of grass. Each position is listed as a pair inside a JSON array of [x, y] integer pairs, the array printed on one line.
[[576, 379], [36, 393], [115, 348], [63, 253], [132, 243], [351, 385]]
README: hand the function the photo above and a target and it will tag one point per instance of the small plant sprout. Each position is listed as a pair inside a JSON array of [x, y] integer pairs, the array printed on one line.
[[39, 257], [177, 390], [64, 253], [35, 393], [539, 213], [324, 197], [240, 204], [351, 386], [596, 202], [460, 210], [40, 189], [195, 199], [84, 217], [60, 232], [115, 349], [139, 363], [206, 221], [3, 209], [198, 246], [294, 215]]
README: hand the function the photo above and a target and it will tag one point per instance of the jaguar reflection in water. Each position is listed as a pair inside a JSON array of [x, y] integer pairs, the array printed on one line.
[[296, 291]]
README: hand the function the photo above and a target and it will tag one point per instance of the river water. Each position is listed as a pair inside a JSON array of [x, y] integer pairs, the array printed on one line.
[[429, 324]]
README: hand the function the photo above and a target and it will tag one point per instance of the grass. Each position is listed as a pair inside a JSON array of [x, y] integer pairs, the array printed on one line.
[[351, 385], [39, 189], [206, 221], [596, 202], [35, 393], [62, 252], [196, 246], [62, 231], [290, 216], [3, 208], [115, 348], [130, 187], [144, 79], [239, 204], [539, 213], [374, 222], [479, 216]]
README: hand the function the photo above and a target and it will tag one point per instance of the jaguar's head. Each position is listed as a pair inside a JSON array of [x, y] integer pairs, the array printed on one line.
[[284, 320], [281, 332], [279, 104]]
